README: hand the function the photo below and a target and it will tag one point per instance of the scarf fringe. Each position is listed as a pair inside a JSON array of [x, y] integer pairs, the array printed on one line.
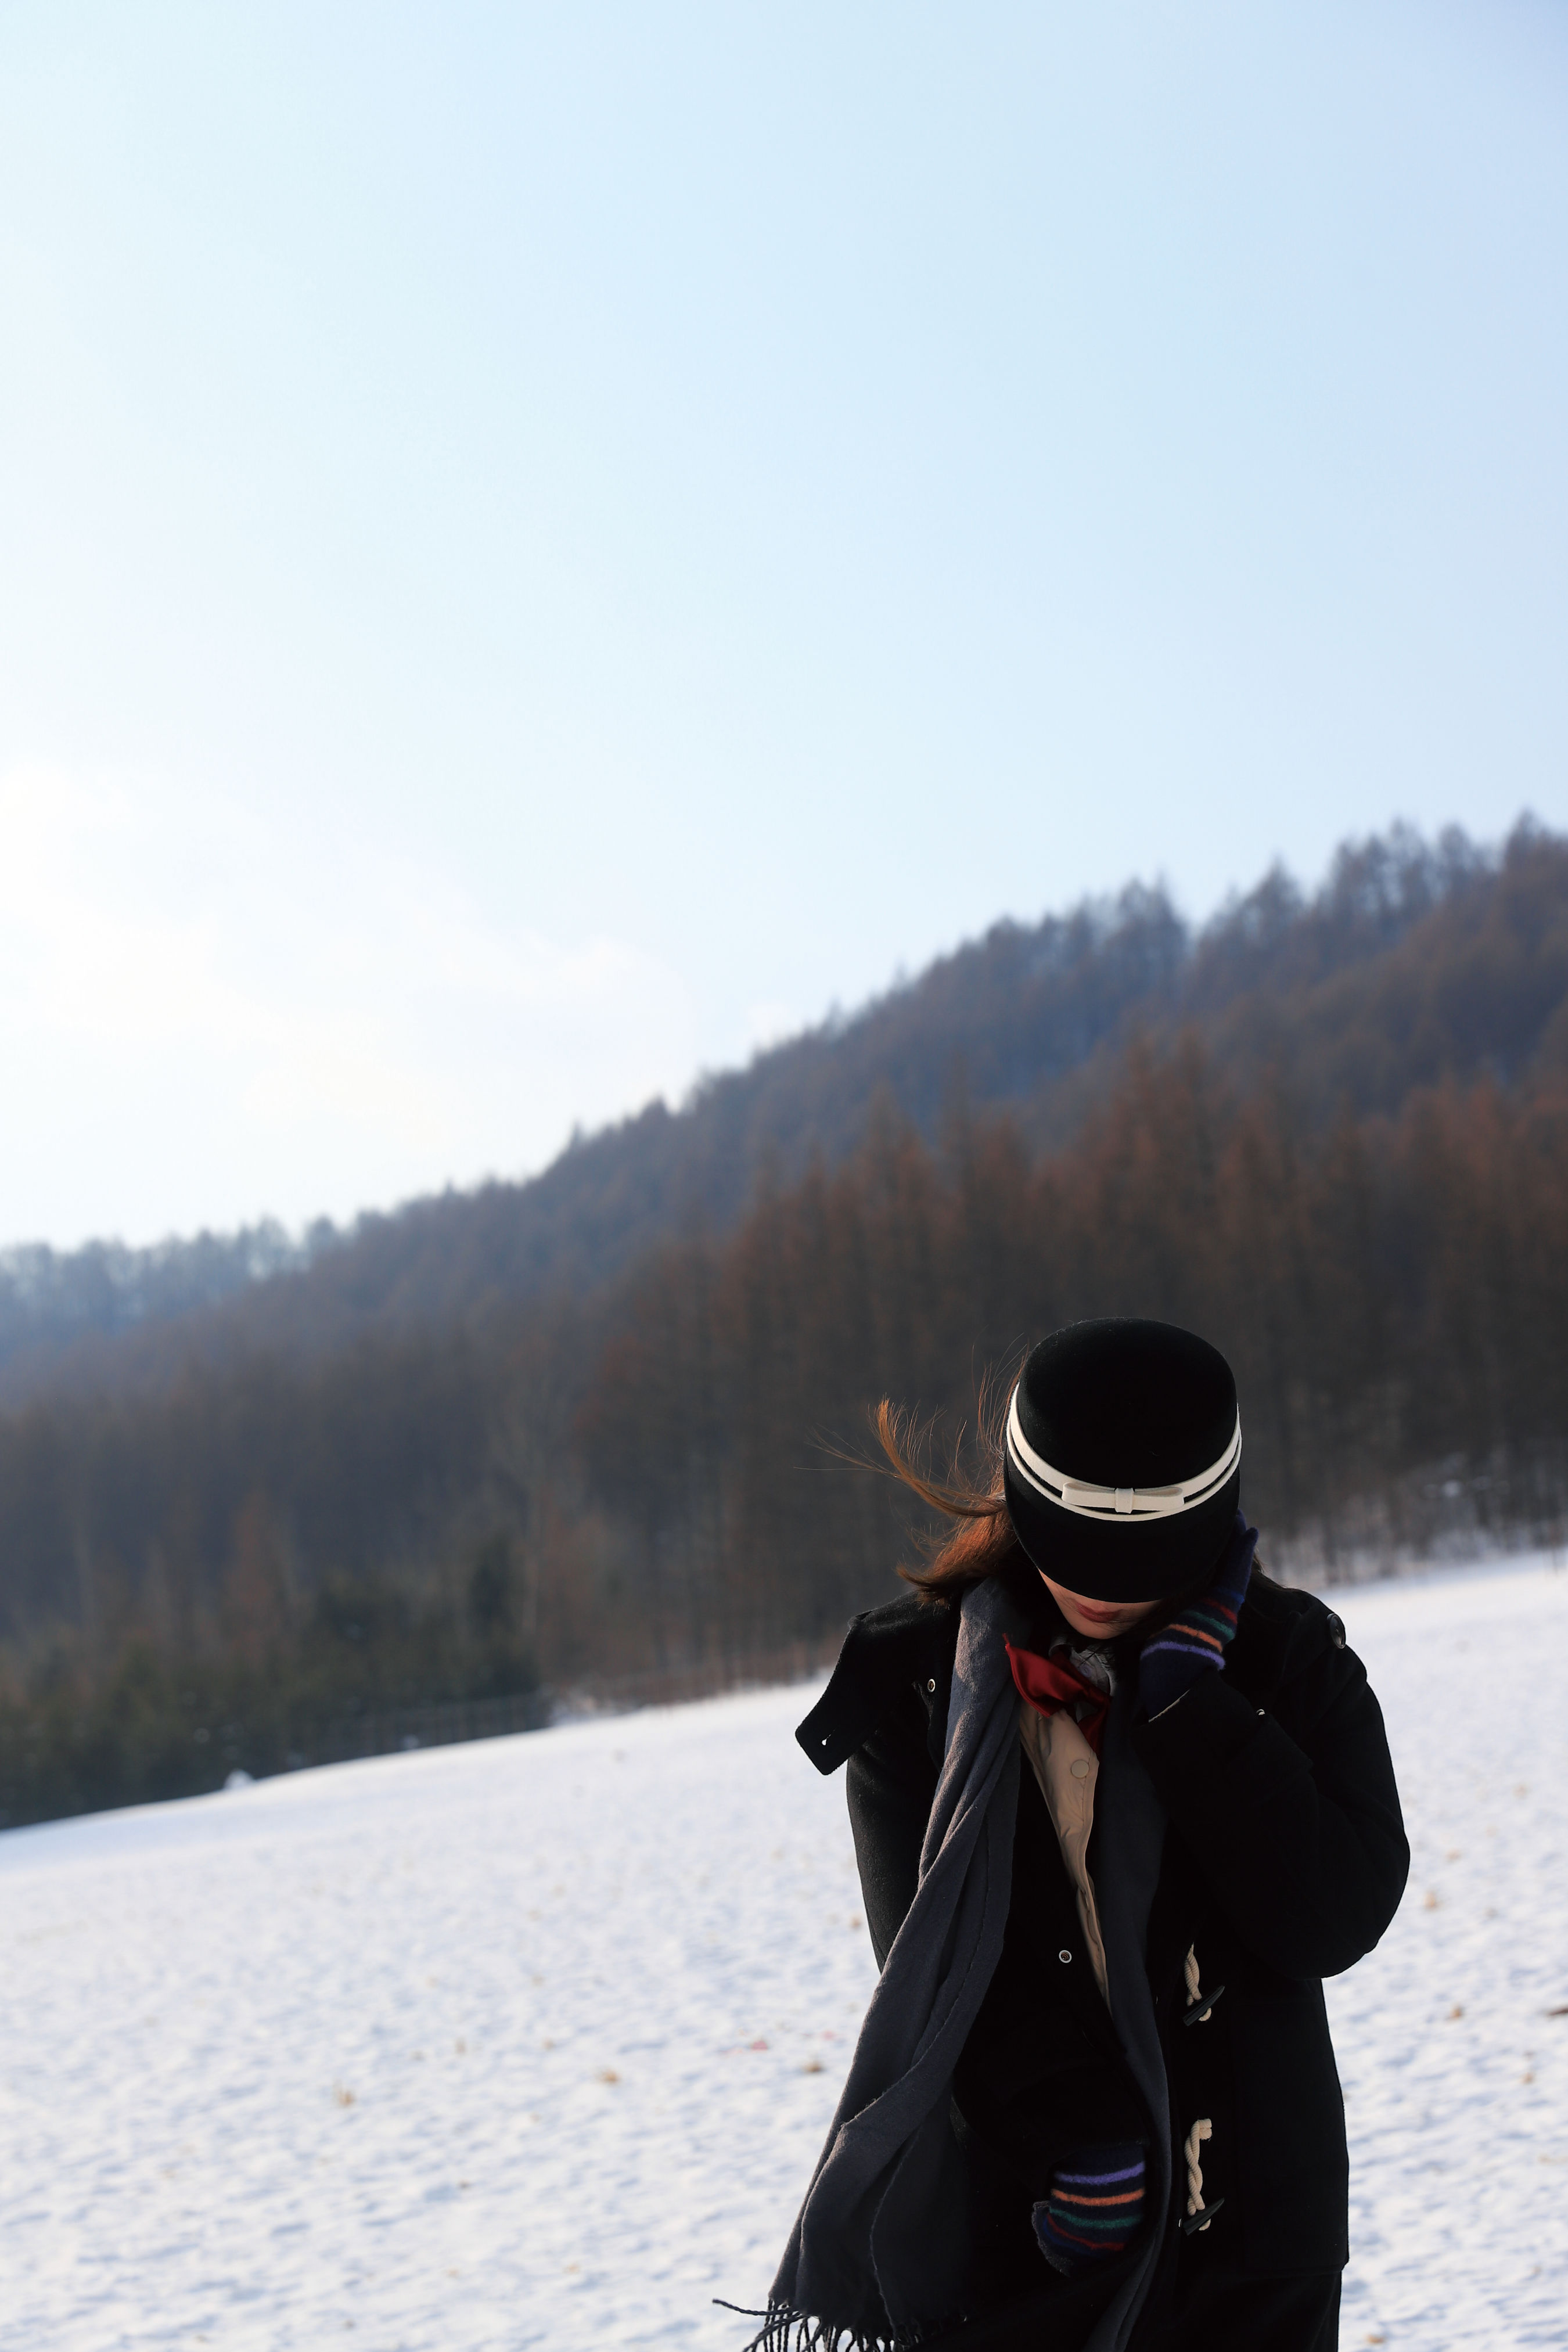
[[788, 2330]]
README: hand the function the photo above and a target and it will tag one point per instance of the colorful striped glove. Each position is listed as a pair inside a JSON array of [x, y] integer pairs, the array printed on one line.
[[1171, 1660], [1095, 2206]]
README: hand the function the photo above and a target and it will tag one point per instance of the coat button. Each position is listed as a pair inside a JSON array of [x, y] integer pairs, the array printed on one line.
[[932, 1683], [1064, 1955], [1081, 1768], [1335, 1629]]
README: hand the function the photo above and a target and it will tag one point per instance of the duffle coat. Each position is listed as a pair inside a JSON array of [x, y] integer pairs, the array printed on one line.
[[1284, 1860]]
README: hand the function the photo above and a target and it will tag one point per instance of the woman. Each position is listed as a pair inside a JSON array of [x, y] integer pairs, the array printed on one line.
[[1119, 1803]]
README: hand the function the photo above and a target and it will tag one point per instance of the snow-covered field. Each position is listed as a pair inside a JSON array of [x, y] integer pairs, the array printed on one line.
[[533, 2042]]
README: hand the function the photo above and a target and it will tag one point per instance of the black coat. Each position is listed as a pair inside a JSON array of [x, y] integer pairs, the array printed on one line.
[[1284, 1860]]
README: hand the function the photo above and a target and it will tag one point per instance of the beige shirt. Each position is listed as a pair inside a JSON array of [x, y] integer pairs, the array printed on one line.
[[1067, 1769]]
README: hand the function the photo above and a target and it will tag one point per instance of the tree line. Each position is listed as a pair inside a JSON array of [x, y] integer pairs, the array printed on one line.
[[1414, 961], [650, 1478]]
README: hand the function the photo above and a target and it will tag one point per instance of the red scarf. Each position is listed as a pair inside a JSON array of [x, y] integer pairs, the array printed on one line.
[[1048, 1684]]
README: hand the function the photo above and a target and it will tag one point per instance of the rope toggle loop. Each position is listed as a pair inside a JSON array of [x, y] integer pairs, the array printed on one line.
[[1200, 2009], [1200, 2005], [1198, 2215]]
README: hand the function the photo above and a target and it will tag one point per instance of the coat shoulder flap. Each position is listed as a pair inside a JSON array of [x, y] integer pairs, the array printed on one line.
[[1280, 1630], [909, 1643]]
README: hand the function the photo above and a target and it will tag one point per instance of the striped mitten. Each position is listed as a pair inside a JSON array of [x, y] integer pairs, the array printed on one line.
[[1094, 2208], [1171, 1660]]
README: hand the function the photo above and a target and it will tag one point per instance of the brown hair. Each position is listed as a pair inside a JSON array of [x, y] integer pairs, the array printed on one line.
[[982, 1543]]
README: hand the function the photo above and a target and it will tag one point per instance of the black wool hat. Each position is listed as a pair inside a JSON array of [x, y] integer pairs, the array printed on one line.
[[1122, 1467]]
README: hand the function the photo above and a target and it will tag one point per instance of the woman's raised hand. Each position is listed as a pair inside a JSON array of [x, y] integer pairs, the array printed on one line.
[[1196, 1639]]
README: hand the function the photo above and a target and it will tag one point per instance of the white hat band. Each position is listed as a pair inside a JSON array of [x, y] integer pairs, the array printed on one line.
[[1127, 1504]]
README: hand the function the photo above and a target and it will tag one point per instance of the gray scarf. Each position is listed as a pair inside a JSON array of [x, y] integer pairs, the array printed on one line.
[[879, 2252]]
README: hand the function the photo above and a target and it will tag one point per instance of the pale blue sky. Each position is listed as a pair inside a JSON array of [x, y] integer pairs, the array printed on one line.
[[539, 546]]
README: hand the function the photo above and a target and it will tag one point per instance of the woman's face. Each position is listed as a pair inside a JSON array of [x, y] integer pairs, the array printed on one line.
[[1100, 1620]]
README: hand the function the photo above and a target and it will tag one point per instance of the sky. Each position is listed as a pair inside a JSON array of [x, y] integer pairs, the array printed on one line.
[[542, 547]]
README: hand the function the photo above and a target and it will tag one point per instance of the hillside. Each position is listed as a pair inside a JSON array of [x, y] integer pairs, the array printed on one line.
[[414, 1475], [1412, 964]]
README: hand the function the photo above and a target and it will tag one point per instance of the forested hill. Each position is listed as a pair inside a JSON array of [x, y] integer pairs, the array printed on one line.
[[1411, 964], [501, 1443]]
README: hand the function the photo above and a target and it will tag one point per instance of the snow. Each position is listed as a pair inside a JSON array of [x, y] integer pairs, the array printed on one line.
[[1455, 2071], [533, 2042]]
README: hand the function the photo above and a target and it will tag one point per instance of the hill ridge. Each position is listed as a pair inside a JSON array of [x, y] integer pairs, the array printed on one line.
[[1029, 1016]]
